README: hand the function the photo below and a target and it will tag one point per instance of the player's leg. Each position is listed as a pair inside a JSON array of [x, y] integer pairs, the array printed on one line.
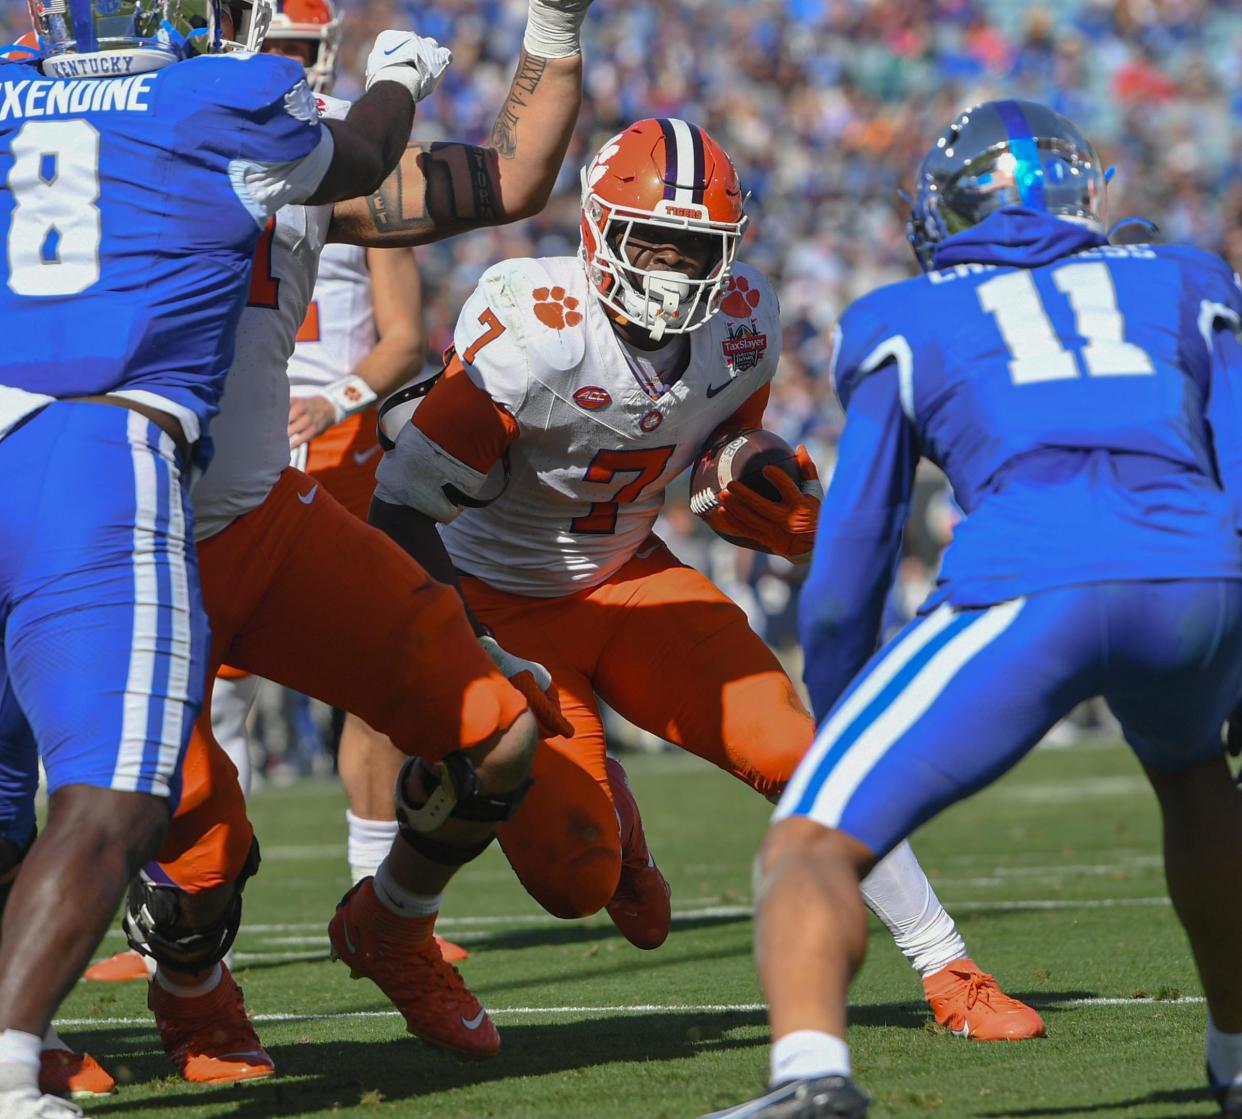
[[232, 696], [1171, 698], [938, 713], [393, 646], [105, 643], [736, 708], [579, 824]]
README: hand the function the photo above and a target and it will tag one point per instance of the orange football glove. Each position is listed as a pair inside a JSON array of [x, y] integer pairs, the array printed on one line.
[[785, 527], [537, 687]]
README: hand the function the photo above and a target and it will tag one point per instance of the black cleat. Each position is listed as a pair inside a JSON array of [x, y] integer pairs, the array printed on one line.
[[825, 1097]]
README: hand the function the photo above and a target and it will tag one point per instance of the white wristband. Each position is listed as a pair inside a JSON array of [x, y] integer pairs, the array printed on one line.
[[349, 395], [552, 28]]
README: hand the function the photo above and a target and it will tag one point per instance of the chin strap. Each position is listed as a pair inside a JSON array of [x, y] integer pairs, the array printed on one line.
[[667, 289]]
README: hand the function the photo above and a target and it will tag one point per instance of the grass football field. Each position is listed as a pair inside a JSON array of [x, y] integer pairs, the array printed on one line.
[[1053, 875]]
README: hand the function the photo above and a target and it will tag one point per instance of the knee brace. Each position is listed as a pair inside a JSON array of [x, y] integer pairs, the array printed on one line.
[[153, 927], [449, 790]]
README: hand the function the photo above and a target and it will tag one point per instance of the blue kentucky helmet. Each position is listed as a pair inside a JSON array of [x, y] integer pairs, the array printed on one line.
[[110, 38], [1004, 153]]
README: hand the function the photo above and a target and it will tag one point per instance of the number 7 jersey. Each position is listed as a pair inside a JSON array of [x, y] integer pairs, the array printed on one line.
[[540, 381]]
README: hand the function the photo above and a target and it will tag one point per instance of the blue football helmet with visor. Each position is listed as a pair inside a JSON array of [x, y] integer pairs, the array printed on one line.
[[110, 38], [1004, 153]]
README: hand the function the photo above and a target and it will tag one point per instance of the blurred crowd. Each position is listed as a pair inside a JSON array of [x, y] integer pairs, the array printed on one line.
[[827, 107]]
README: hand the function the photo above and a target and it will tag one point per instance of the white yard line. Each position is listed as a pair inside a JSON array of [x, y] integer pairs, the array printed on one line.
[[598, 1011]]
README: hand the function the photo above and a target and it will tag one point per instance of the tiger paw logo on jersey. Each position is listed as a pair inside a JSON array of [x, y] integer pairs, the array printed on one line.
[[556, 309], [741, 299], [744, 347]]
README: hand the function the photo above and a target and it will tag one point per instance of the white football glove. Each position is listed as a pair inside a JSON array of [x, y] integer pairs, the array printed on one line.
[[536, 685], [552, 27], [414, 61]]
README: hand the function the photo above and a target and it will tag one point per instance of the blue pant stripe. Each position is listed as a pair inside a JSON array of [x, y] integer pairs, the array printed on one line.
[[163, 620], [850, 733]]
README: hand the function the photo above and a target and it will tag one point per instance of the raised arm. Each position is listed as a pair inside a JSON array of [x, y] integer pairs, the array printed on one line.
[[403, 69], [441, 189]]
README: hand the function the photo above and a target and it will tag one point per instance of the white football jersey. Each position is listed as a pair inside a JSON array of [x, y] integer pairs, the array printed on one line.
[[596, 446], [251, 432], [339, 328]]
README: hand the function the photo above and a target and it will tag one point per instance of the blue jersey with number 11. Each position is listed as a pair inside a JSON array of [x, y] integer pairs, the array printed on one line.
[[1085, 401], [127, 224]]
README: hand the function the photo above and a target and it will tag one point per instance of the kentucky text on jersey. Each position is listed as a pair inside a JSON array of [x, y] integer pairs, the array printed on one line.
[[45, 97]]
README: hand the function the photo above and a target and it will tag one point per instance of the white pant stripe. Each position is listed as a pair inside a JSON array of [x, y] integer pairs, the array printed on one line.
[[906, 709], [181, 651], [145, 635], [897, 658]]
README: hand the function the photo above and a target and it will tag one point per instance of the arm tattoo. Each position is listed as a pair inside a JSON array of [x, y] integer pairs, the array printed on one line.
[[458, 190], [530, 71]]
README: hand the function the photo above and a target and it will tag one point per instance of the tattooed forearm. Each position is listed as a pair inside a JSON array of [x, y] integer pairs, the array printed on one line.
[[393, 209], [530, 71]]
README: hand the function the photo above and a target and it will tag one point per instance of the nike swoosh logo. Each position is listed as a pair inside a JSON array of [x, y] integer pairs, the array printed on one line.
[[475, 1022], [399, 46], [258, 1054], [361, 456], [309, 496], [963, 1032], [713, 390], [349, 940]]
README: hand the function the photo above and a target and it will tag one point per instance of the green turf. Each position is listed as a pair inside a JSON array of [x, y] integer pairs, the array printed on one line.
[[1072, 831]]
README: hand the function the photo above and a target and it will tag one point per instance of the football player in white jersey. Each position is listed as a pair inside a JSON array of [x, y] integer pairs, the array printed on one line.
[[362, 339], [578, 390], [384, 639]]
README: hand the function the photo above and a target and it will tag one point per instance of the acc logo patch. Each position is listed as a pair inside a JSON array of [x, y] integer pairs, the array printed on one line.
[[592, 398], [744, 347], [556, 309], [651, 420]]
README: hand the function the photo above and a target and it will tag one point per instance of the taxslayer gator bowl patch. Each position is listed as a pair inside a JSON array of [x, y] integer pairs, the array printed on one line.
[[744, 346]]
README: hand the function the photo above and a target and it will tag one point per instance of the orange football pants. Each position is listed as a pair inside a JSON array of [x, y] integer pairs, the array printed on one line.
[[665, 648], [303, 592], [344, 459]]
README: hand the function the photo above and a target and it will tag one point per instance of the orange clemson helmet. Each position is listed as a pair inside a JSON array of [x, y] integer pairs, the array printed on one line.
[[317, 21], [671, 174]]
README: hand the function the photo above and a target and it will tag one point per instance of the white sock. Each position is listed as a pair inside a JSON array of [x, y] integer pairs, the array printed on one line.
[[191, 990], [899, 893], [397, 899], [53, 1040], [369, 844], [19, 1060], [231, 700], [1224, 1055], [806, 1054]]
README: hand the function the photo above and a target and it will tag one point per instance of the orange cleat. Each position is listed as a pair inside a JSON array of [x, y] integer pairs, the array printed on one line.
[[73, 1075], [968, 1002], [403, 960], [640, 907], [452, 953], [120, 968], [209, 1037]]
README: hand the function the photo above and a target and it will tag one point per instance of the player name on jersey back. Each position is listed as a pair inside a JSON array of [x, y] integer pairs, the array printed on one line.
[[48, 97]]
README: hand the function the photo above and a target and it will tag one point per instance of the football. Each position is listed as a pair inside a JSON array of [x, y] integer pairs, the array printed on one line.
[[738, 458]]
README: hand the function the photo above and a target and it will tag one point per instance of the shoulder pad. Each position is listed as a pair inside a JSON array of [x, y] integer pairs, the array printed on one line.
[[866, 325], [245, 81], [544, 302]]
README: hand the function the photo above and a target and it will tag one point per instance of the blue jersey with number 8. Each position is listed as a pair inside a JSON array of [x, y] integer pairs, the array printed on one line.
[[1066, 388], [128, 226]]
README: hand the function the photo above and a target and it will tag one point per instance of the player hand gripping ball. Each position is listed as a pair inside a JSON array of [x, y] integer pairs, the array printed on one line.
[[536, 685], [414, 61], [785, 527]]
